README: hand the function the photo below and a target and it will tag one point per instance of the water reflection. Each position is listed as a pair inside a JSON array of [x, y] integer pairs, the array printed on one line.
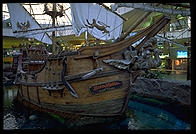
[[9, 93], [9, 120], [150, 117]]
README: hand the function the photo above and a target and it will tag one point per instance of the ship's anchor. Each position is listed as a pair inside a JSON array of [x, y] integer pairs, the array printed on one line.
[[66, 83]]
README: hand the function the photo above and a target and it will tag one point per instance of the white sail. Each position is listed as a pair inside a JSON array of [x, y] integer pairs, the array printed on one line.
[[106, 25], [22, 21]]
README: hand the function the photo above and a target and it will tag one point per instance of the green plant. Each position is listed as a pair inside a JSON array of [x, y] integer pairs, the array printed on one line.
[[155, 74]]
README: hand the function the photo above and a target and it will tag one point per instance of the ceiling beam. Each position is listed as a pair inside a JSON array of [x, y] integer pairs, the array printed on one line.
[[149, 8]]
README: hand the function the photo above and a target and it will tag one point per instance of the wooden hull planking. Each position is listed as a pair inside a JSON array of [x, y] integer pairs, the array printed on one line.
[[102, 93], [108, 101]]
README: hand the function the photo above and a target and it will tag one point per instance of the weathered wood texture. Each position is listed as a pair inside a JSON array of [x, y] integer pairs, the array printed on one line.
[[109, 101], [103, 103], [70, 115]]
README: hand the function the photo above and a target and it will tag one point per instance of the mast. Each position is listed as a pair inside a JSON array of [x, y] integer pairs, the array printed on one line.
[[53, 14], [54, 32]]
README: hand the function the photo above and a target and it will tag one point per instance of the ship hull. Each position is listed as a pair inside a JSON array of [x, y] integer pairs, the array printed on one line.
[[82, 83], [103, 103], [105, 93]]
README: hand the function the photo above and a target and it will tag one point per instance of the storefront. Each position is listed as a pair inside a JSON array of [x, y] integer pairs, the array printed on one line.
[[179, 64]]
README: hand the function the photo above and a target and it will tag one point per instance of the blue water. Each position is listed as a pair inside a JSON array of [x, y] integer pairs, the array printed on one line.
[[150, 117], [139, 116]]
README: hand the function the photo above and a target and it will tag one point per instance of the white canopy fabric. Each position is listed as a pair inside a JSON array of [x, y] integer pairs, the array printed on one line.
[[22, 21], [83, 15]]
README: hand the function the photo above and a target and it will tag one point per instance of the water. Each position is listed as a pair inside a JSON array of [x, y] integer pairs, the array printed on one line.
[[9, 92], [139, 116], [150, 117]]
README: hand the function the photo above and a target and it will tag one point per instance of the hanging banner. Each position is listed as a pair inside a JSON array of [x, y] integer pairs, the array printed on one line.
[[95, 19], [22, 21]]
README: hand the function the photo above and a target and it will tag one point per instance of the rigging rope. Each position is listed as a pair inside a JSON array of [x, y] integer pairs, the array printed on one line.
[[88, 15]]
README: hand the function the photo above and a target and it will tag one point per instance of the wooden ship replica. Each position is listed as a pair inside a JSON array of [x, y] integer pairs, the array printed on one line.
[[94, 81]]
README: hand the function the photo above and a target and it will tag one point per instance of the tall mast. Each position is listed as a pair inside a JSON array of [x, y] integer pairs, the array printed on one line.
[[53, 14], [54, 32]]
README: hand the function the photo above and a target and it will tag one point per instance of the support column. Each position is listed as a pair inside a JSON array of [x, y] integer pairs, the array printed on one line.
[[173, 64], [189, 63]]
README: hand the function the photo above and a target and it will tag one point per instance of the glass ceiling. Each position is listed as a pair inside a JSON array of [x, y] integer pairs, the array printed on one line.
[[37, 10]]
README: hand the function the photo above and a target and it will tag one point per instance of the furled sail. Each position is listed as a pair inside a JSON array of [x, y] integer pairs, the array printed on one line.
[[22, 23], [98, 21]]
